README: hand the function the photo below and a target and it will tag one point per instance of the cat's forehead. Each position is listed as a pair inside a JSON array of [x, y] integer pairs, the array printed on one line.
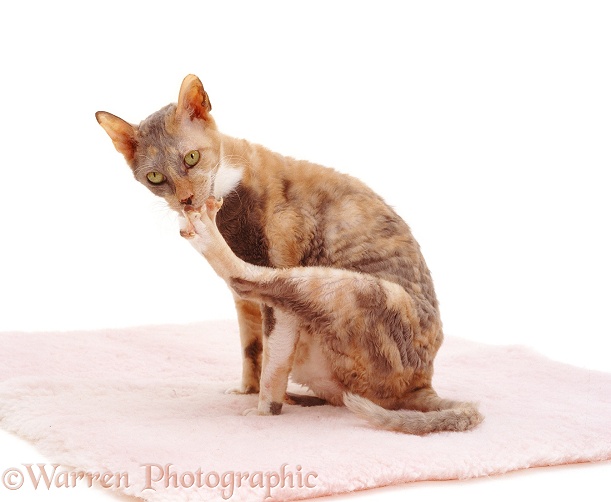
[[158, 127], [162, 139], [156, 140]]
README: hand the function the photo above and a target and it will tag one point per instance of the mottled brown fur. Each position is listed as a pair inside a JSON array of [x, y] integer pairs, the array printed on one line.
[[275, 408], [351, 309], [269, 320], [253, 351], [249, 321], [357, 327], [241, 226], [354, 320]]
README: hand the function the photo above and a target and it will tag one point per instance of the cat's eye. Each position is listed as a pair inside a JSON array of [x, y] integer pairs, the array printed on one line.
[[156, 178], [192, 158]]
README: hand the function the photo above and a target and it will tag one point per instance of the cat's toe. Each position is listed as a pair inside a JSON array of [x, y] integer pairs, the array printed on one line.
[[213, 205], [242, 390], [186, 228], [187, 234]]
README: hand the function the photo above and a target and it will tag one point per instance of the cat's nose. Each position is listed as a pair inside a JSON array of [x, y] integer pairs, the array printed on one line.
[[188, 201]]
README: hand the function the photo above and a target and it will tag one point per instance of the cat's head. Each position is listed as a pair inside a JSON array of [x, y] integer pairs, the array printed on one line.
[[175, 151]]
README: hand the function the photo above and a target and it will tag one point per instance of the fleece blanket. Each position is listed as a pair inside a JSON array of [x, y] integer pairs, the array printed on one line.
[[143, 411]]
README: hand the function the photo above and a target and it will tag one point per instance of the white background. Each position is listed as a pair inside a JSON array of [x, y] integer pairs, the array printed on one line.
[[487, 125]]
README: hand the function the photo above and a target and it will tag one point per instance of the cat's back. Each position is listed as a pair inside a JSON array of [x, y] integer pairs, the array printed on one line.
[[316, 216]]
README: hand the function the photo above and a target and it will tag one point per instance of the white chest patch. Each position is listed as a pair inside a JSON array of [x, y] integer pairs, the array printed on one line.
[[226, 178]]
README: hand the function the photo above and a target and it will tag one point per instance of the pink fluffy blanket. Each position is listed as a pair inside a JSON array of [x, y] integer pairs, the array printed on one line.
[[145, 410]]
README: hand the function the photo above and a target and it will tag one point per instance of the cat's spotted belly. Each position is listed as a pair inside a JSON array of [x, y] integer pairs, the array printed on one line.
[[312, 369]]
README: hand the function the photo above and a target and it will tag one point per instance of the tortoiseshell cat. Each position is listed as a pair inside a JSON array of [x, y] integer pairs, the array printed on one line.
[[330, 286]]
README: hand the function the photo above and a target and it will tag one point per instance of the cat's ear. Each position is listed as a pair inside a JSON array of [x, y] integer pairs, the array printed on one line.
[[122, 134], [193, 101]]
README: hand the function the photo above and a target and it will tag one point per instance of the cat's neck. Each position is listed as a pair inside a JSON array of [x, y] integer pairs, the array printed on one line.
[[262, 169], [249, 157]]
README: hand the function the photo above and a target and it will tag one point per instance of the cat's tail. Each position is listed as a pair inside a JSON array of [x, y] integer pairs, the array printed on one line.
[[439, 415]]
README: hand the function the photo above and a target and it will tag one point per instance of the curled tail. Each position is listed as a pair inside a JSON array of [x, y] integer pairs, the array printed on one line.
[[444, 415]]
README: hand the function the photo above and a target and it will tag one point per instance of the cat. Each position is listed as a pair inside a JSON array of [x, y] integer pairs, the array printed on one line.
[[328, 229], [362, 325]]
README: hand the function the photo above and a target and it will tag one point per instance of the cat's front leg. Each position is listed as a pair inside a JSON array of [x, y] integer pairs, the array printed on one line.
[[280, 340], [199, 228], [250, 325]]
